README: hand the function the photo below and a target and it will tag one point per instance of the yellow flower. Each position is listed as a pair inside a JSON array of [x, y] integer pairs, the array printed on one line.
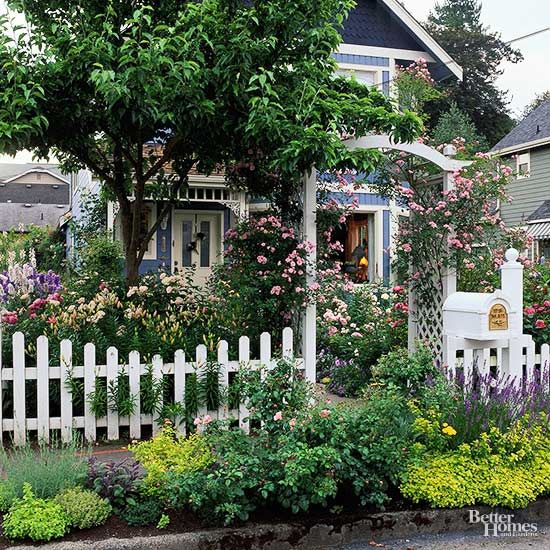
[[445, 424], [449, 430], [325, 380]]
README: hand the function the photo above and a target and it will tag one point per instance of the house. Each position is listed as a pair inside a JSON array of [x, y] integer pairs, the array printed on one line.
[[527, 146], [32, 194], [379, 36]]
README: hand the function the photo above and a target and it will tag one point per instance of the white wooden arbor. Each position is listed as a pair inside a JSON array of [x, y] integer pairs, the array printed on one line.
[[422, 324]]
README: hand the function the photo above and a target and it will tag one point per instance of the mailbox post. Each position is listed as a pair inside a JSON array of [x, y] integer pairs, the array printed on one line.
[[481, 321]]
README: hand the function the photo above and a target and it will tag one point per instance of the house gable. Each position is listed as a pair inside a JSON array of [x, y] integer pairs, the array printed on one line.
[[386, 28]]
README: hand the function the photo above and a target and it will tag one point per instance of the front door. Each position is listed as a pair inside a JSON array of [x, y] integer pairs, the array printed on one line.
[[197, 242]]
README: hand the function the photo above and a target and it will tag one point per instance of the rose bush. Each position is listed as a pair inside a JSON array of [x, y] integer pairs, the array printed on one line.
[[357, 324]]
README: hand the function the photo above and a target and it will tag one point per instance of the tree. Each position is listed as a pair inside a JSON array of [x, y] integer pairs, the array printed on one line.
[[456, 25], [457, 124], [141, 92], [537, 102]]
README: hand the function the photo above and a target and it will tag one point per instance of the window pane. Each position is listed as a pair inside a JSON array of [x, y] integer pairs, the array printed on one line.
[[205, 244], [187, 236]]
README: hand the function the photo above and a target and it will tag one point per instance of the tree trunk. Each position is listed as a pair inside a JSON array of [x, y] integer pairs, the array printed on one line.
[[130, 244]]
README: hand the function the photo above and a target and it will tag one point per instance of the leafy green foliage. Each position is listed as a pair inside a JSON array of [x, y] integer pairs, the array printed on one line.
[[456, 25], [455, 123], [145, 511], [83, 508], [97, 82], [268, 391], [117, 482], [300, 455], [169, 451], [34, 518], [500, 469], [48, 469], [408, 373], [355, 326], [42, 245]]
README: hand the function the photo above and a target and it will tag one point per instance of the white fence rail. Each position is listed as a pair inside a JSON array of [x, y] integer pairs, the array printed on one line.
[[493, 357], [19, 425]]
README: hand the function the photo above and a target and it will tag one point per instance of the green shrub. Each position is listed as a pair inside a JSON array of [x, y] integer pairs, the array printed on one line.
[[49, 470], [305, 461], [143, 512], [84, 508], [169, 451], [35, 518], [508, 469], [409, 372]]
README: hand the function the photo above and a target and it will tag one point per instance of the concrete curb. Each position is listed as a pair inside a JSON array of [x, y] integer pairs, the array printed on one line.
[[286, 536]]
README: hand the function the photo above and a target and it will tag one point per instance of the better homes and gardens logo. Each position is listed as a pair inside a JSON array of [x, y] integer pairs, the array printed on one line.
[[503, 525]]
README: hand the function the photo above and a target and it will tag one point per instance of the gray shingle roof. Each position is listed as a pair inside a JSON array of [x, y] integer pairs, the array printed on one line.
[[533, 127], [541, 213], [13, 215]]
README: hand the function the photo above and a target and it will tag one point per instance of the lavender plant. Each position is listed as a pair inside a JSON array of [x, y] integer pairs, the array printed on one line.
[[496, 402]]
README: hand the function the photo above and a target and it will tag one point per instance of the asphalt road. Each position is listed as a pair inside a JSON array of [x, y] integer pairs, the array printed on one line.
[[461, 542]]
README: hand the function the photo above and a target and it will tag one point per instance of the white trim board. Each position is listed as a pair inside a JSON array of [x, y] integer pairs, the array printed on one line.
[[521, 146], [390, 53], [37, 171]]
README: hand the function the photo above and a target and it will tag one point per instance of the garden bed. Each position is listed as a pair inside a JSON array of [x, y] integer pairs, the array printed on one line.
[[316, 531]]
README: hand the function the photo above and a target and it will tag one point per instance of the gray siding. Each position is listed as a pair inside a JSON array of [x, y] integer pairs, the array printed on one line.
[[529, 193]]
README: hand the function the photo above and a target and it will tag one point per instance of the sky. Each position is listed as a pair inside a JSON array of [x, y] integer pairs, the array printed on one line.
[[513, 19]]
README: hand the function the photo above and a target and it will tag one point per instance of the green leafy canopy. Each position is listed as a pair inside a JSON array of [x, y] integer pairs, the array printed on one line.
[[140, 92]]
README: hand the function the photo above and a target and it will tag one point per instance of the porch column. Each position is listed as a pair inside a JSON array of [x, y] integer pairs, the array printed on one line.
[[309, 325]]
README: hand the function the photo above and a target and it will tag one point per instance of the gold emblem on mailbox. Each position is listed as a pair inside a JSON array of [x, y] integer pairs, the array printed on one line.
[[498, 318]]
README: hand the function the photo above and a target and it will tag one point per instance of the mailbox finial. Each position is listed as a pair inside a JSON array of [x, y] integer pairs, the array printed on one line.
[[512, 255]]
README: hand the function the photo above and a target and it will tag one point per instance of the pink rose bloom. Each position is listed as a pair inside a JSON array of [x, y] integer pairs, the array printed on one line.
[[207, 419], [332, 331], [406, 247], [356, 335], [261, 259], [397, 289], [276, 290], [529, 311], [540, 324], [325, 413], [546, 303], [197, 421], [278, 416], [292, 423]]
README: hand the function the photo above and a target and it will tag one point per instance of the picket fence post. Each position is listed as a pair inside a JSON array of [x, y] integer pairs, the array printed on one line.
[[179, 384], [111, 375], [134, 370], [244, 359], [19, 420], [90, 424], [223, 361], [42, 389]]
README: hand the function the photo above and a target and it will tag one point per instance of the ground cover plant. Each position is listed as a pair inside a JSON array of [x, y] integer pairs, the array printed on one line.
[[49, 469]]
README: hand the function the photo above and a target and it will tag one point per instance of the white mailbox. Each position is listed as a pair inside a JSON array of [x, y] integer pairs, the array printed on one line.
[[481, 316]]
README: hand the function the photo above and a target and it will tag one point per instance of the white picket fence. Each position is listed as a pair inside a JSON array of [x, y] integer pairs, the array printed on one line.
[[470, 356], [43, 373]]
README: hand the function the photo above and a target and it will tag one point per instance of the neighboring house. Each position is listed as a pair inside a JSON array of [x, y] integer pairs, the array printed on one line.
[[527, 146], [379, 35], [32, 194]]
